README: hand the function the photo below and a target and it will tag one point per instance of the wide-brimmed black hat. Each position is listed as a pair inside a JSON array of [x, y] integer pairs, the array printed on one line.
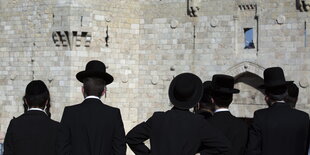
[[97, 69], [274, 77], [223, 84], [35, 87], [185, 90]]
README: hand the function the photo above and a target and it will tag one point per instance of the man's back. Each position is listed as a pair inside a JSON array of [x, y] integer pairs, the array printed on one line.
[[234, 129], [92, 128], [176, 132], [32, 133], [279, 130]]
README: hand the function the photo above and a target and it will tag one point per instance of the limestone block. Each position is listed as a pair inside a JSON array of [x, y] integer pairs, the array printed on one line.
[[99, 17]]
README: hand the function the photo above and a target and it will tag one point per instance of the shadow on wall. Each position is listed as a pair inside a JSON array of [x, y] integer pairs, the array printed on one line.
[[250, 98], [250, 79], [250, 93]]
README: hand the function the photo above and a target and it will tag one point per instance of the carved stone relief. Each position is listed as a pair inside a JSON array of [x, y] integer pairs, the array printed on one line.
[[74, 38], [281, 19], [193, 7], [174, 24], [244, 7], [303, 5], [214, 22]]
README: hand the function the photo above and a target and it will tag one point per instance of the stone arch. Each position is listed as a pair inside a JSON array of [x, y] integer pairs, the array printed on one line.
[[248, 77], [246, 66]]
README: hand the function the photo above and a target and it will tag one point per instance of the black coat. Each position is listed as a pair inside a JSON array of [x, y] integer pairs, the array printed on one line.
[[91, 128], [32, 133], [205, 114], [279, 130], [176, 132], [234, 129]]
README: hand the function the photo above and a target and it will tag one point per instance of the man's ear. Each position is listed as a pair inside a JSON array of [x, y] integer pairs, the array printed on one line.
[[83, 91], [25, 101], [104, 91], [212, 100], [46, 102]]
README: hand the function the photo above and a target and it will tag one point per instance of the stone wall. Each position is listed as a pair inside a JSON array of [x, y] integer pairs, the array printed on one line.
[[145, 43]]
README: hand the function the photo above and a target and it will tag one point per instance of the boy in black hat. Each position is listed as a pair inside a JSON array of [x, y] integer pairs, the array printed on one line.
[[234, 129], [279, 129], [205, 107], [178, 131], [32, 133], [92, 128]]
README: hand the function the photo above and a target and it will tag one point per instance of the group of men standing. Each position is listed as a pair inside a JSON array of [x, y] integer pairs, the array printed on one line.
[[94, 128]]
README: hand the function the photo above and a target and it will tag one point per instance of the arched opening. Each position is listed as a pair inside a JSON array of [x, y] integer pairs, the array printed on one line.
[[250, 98]]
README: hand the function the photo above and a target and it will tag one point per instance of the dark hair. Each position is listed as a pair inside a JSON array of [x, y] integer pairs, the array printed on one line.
[[277, 93], [38, 100], [47, 110], [206, 102], [36, 95], [222, 99], [94, 86]]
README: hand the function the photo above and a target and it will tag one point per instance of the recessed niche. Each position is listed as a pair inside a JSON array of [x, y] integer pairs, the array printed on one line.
[[248, 38]]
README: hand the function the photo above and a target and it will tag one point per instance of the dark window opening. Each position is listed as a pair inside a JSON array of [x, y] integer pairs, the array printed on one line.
[[248, 38]]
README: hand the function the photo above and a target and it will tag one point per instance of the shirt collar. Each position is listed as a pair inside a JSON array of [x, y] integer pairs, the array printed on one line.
[[37, 109], [221, 110], [92, 96], [175, 108]]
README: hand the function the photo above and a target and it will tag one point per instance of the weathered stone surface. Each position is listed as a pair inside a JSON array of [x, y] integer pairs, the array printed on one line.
[[145, 44]]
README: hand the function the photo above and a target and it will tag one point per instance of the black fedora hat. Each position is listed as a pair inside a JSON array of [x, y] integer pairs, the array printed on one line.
[[223, 84], [185, 90], [97, 69], [274, 77], [35, 87]]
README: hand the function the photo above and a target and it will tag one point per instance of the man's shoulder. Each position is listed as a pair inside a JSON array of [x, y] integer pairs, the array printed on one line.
[[24, 120], [261, 111], [99, 106], [226, 119], [301, 113]]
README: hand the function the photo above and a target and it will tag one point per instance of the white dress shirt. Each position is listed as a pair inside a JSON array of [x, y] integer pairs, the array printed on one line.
[[92, 96], [221, 109], [38, 109]]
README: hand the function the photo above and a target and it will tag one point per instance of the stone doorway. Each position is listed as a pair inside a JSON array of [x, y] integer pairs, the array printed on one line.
[[250, 98]]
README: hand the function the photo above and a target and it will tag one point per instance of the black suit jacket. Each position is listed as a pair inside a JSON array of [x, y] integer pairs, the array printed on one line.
[[91, 128], [205, 114], [234, 129], [279, 130], [32, 133], [176, 132]]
